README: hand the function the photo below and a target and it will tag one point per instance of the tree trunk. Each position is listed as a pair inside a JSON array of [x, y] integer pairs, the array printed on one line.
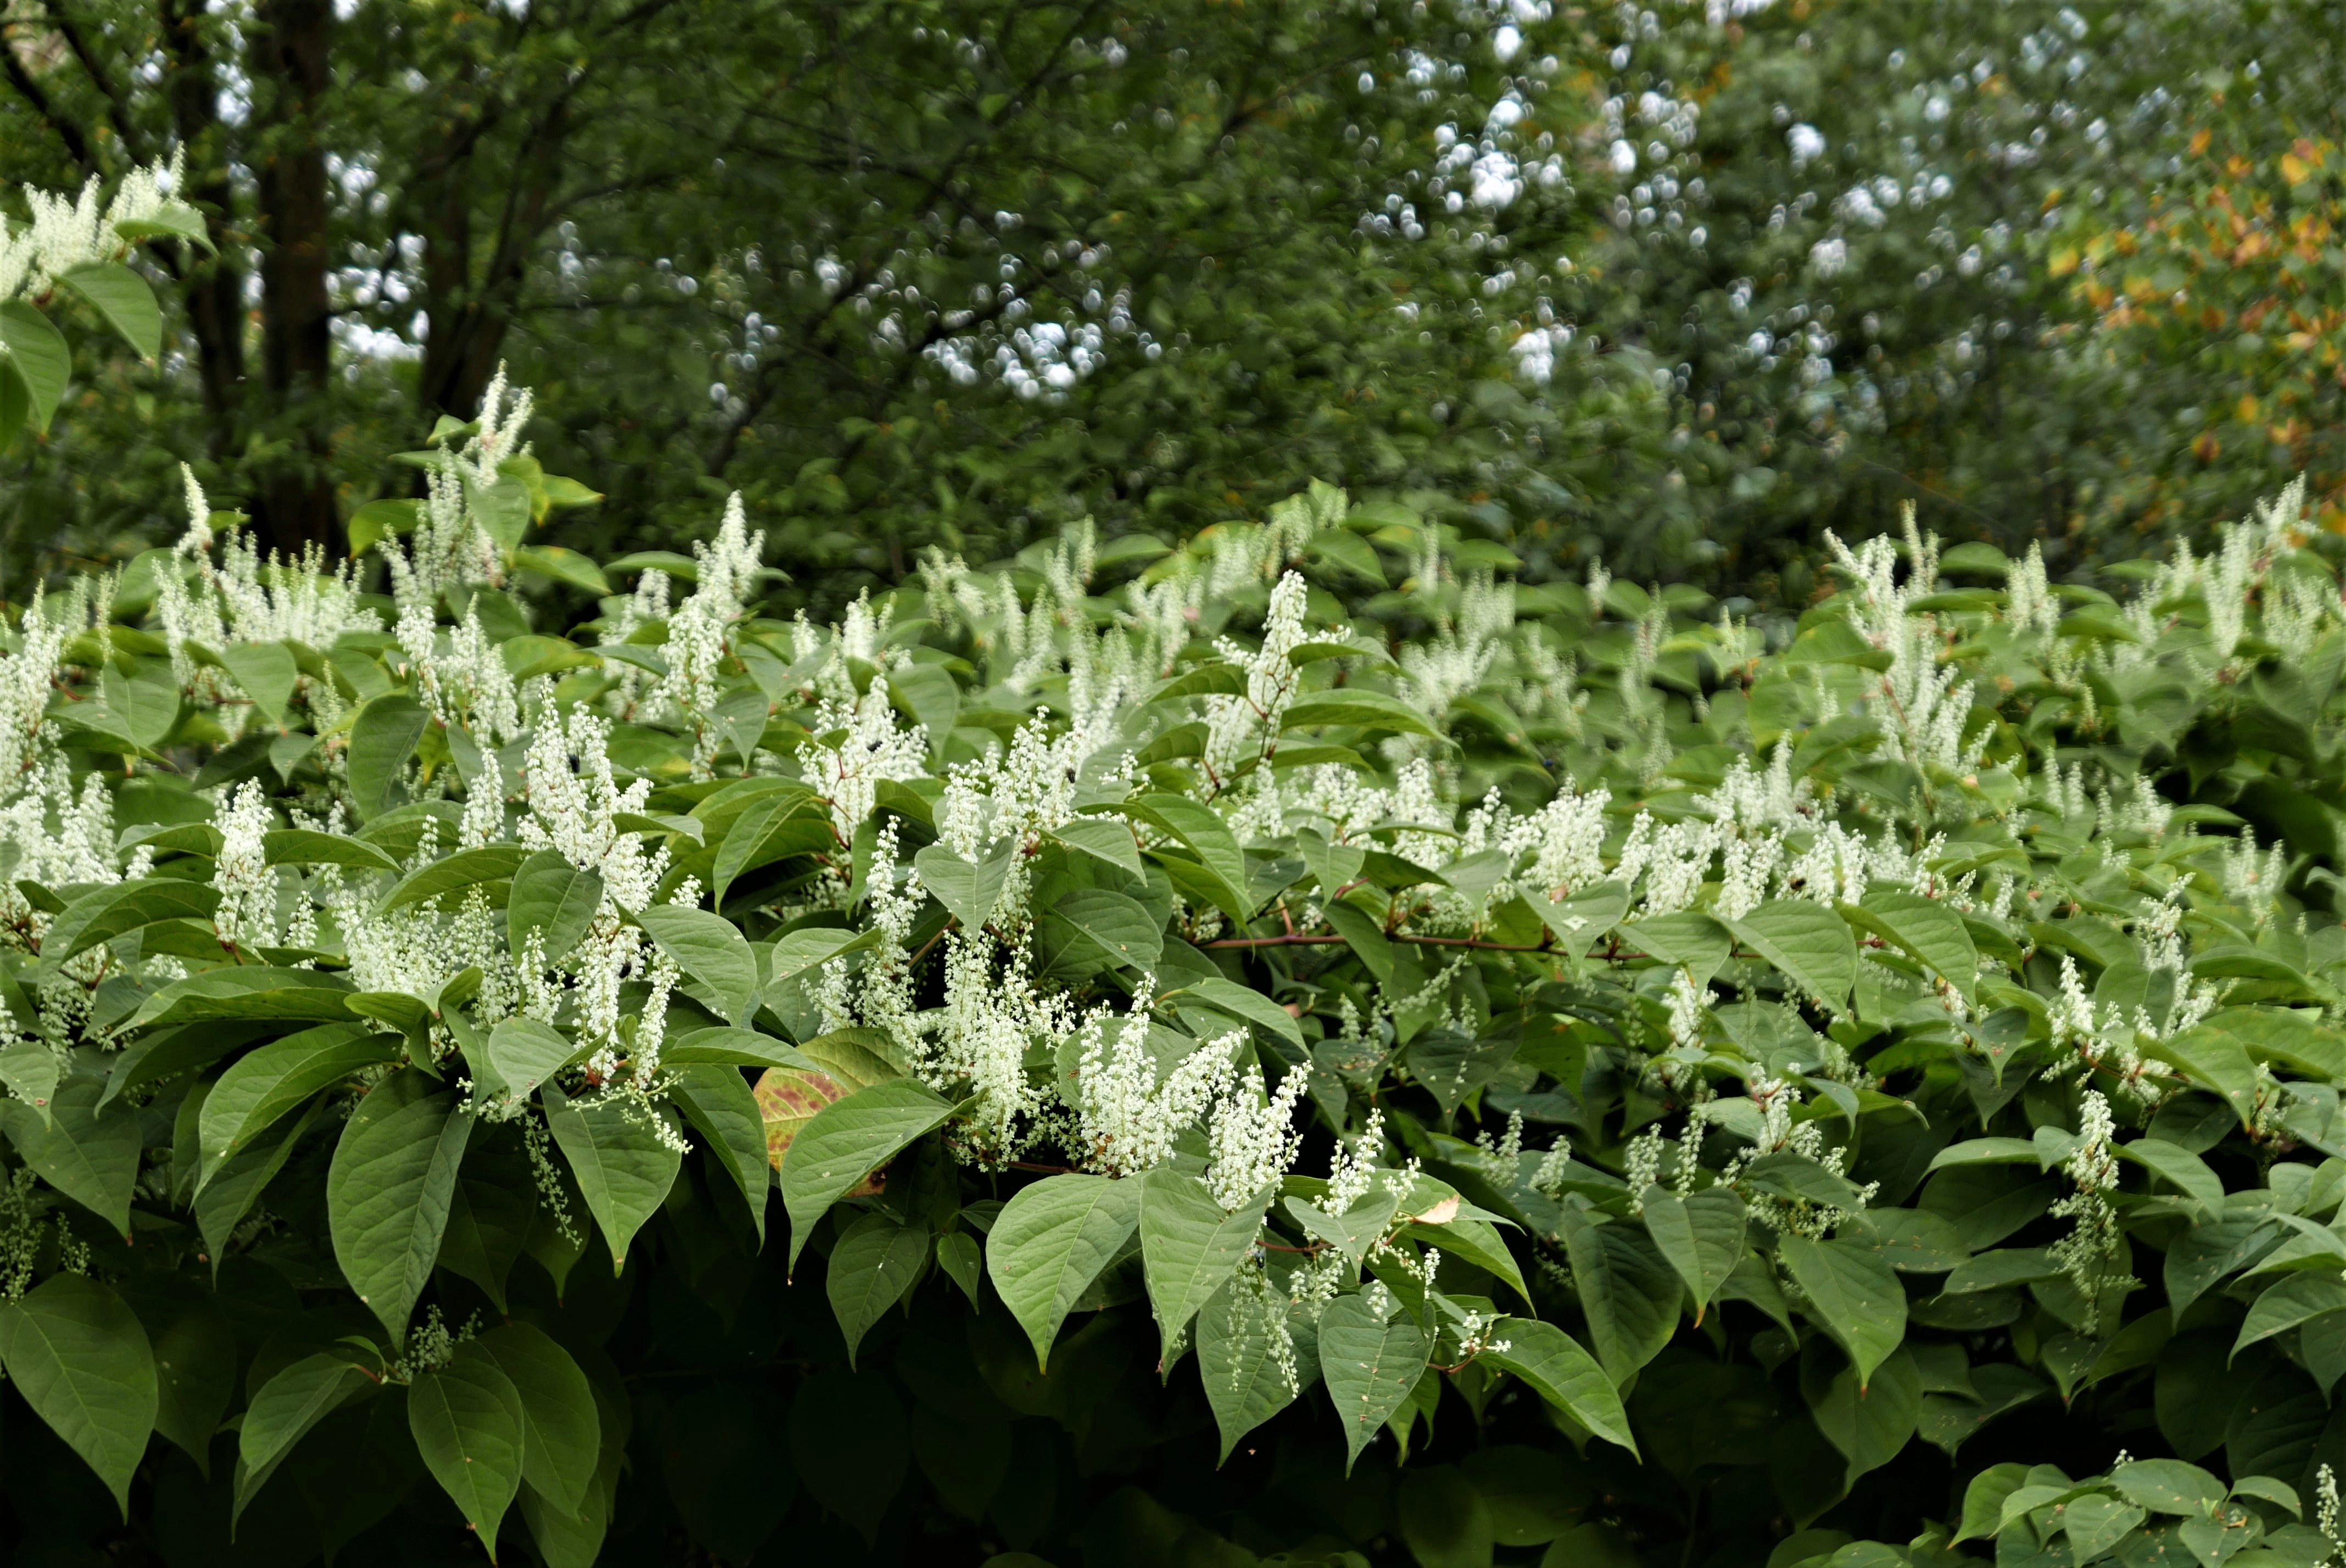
[[214, 285], [297, 500], [471, 305]]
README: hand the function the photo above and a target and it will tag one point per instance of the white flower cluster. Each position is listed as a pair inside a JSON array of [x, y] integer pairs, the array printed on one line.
[[462, 677], [245, 599], [855, 745], [2091, 1256], [247, 917], [1439, 670], [1923, 706], [1239, 727], [1253, 1140], [574, 800], [67, 233], [1129, 1106], [451, 545], [727, 572]]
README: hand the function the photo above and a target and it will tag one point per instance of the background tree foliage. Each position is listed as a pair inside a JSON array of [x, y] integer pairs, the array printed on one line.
[[1719, 276], [1839, 1106]]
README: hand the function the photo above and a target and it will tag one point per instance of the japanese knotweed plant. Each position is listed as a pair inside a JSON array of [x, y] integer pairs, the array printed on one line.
[[505, 1026]]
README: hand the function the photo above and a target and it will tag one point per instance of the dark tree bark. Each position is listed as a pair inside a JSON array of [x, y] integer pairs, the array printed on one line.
[[471, 299], [215, 284], [297, 501]]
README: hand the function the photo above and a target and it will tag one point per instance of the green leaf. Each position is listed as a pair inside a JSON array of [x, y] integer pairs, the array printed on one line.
[[2298, 1298], [502, 508], [1914, 1240], [119, 908], [1984, 1500], [144, 706], [465, 869], [1932, 932], [562, 1435], [1807, 941], [302, 847], [1466, 1234], [1443, 1517], [123, 298], [1562, 1373], [1103, 839], [624, 1165], [719, 1046], [1348, 550], [194, 1361], [81, 1359], [267, 673], [384, 736], [1691, 941], [1049, 1243], [1700, 1234], [1365, 937], [967, 891], [299, 995], [1853, 1293], [1869, 1425], [1360, 708], [388, 1190], [379, 520], [15, 401], [709, 948], [1355, 1230], [575, 1540], [553, 900], [800, 952], [525, 1053], [563, 566], [1334, 866], [723, 1110], [1206, 836], [1580, 919], [1219, 678], [2206, 1253], [1189, 1248], [295, 1398], [855, 1058], [268, 1082], [2168, 1486], [470, 1427], [1834, 640], [958, 1256], [1985, 1152], [876, 1261], [491, 1215], [1630, 1293], [1239, 1360], [527, 657], [170, 220], [2214, 1058], [1252, 1006], [38, 356], [31, 1072], [846, 1141], [1370, 1364], [1108, 924], [2095, 1524], [237, 1185], [91, 1157], [750, 840], [2179, 1166]]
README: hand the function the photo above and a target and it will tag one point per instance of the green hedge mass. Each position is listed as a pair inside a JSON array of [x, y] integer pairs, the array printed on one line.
[[1169, 1051]]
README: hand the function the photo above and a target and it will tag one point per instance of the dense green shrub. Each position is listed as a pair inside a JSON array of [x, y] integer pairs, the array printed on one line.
[[1784, 1092]]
